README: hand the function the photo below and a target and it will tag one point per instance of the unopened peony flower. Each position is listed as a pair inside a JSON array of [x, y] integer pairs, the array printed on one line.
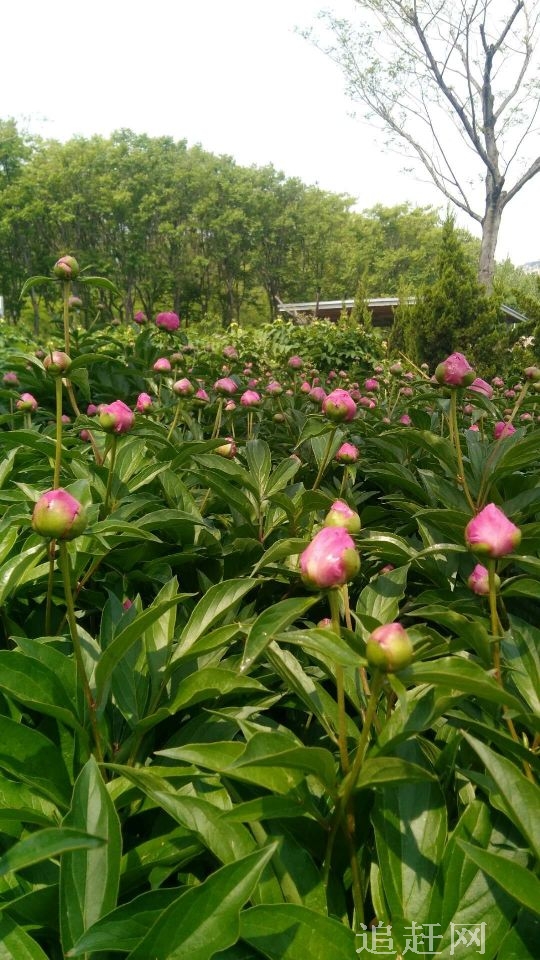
[[57, 363], [305, 387], [455, 371], [65, 418], [510, 394], [201, 397], [474, 427], [168, 321], [250, 398], [330, 560], [75, 303], [230, 353], [388, 567], [140, 317], [480, 386], [116, 417], [144, 402], [183, 388], [502, 429], [91, 410], [227, 450], [162, 365], [347, 453], [405, 420], [296, 363], [230, 406], [317, 395], [252, 383], [497, 382], [341, 515], [332, 376], [27, 403], [396, 369], [59, 516], [389, 648], [325, 622], [532, 373], [66, 268], [479, 581], [226, 385], [526, 416], [371, 384], [491, 533], [339, 406], [84, 436], [274, 388], [406, 391], [11, 379]]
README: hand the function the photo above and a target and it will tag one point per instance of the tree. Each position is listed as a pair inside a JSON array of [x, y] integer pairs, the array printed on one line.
[[424, 69]]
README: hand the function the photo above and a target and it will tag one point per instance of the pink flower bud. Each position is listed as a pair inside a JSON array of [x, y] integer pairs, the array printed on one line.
[[295, 363], [59, 516], [201, 397], [65, 418], [226, 385], [532, 373], [144, 402], [250, 398], [75, 303], [183, 388], [510, 394], [230, 353], [305, 387], [274, 388], [479, 581], [341, 515], [140, 317], [405, 420], [168, 321], [56, 363], [27, 403], [11, 379], [491, 533], [162, 365], [116, 417], [474, 427], [127, 603], [66, 268], [91, 410], [396, 369], [84, 436], [497, 382], [330, 560], [317, 395], [455, 371], [389, 648], [371, 384], [252, 383], [227, 450], [325, 622], [480, 386], [339, 406], [347, 453], [502, 429]]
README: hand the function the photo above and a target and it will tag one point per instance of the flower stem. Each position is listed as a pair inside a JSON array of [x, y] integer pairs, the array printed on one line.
[[58, 447], [462, 479], [66, 291], [63, 563], [333, 599], [114, 444], [217, 421], [175, 420]]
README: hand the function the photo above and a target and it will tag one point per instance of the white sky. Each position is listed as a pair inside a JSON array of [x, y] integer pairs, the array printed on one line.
[[231, 75]]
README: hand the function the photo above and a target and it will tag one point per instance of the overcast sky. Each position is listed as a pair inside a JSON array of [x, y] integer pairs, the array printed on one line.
[[232, 75]]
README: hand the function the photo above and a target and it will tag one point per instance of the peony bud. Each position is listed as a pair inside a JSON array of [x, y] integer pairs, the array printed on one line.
[[250, 398], [168, 321], [330, 560], [66, 268], [225, 386], [479, 581], [455, 371], [11, 379], [57, 363], [371, 384], [389, 648], [183, 388], [162, 365], [140, 317], [274, 389], [59, 516], [347, 453], [491, 533], [480, 386], [201, 397], [532, 373], [27, 403], [341, 515], [317, 395], [295, 363], [339, 406], [502, 429], [116, 417], [230, 353], [227, 450], [144, 402]]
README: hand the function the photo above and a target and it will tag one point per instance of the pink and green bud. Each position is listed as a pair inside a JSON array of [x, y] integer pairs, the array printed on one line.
[[27, 403], [330, 560], [341, 515], [225, 386], [10, 379], [396, 369], [162, 365], [482, 387], [389, 648], [532, 373], [227, 450], [339, 406], [317, 395], [183, 388], [75, 303], [201, 397], [371, 384], [66, 268], [59, 516], [144, 402], [478, 581], [347, 453], [230, 353], [274, 389], [491, 533], [116, 417], [140, 317], [502, 429], [455, 371], [296, 363], [250, 398], [168, 321], [57, 363]]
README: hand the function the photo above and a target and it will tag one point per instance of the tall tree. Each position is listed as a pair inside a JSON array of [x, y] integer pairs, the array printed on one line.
[[426, 69]]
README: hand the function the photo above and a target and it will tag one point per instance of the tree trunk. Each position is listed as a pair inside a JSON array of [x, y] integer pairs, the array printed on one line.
[[490, 233]]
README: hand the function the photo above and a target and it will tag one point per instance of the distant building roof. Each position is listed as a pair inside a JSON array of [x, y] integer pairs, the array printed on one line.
[[381, 308], [533, 266]]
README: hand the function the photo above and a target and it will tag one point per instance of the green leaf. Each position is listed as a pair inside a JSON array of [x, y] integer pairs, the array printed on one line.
[[100, 282], [44, 844], [519, 882], [379, 770], [37, 281], [521, 942], [17, 568], [520, 797], [16, 943], [216, 603], [284, 472], [206, 918], [36, 686], [269, 623], [89, 878], [279, 551], [324, 644], [124, 928], [289, 931], [210, 683], [259, 461], [381, 598], [30, 756], [457, 673]]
